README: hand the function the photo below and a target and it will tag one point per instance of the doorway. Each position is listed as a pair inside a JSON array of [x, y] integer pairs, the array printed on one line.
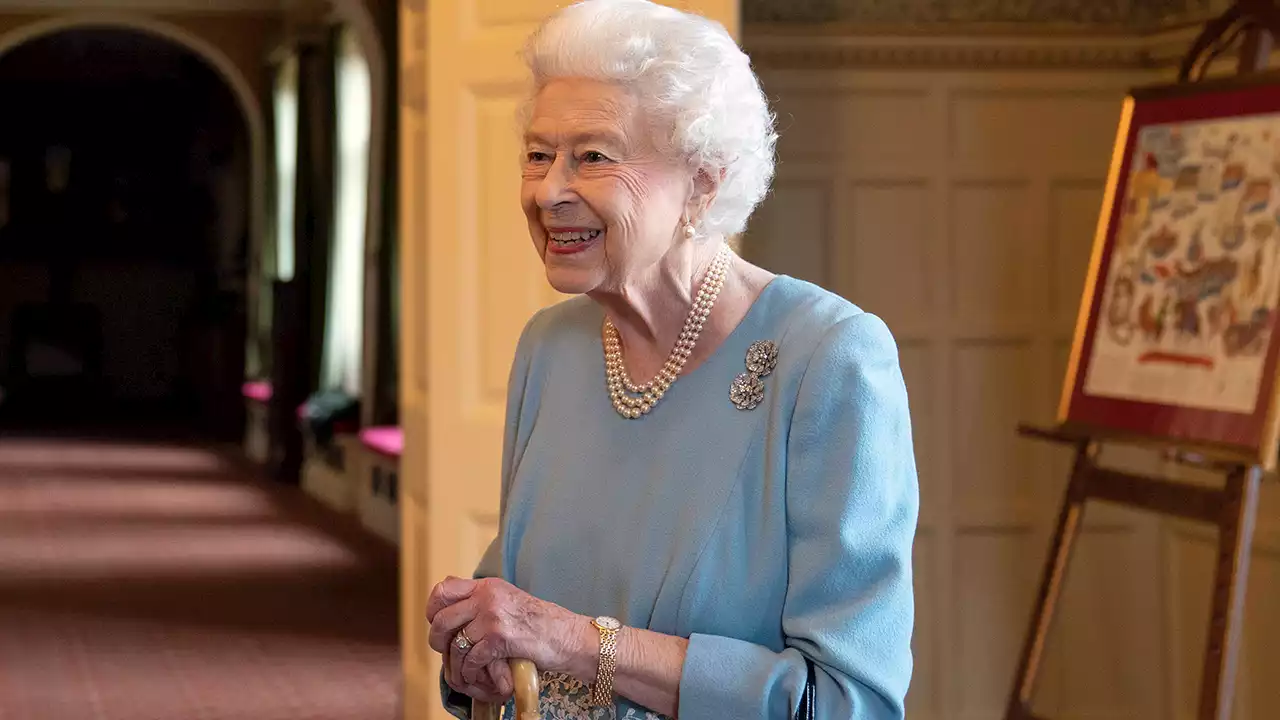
[[124, 236]]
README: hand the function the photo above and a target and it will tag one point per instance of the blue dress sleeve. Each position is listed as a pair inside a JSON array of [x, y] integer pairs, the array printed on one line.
[[852, 499]]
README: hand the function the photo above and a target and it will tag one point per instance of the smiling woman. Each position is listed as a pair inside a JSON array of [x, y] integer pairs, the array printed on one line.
[[709, 493], [602, 199]]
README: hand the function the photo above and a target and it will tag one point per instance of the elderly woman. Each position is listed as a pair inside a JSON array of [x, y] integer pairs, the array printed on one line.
[[708, 483]]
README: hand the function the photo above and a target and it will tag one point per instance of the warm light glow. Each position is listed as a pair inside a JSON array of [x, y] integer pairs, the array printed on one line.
[[344, 341], [69, 497], [104, 550], [109, 458], [286, 121]]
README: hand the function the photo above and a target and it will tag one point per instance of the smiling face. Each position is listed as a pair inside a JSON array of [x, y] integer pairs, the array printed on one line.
[[603, 203]]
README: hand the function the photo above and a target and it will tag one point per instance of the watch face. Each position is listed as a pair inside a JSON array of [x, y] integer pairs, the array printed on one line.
[[608, 623]]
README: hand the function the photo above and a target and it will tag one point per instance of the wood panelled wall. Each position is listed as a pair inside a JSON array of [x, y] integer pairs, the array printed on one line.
[[954, 188]]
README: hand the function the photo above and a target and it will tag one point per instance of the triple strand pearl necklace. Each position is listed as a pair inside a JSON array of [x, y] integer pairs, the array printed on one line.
[[632, 400]]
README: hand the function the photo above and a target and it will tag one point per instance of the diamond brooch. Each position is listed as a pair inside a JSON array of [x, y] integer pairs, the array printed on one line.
[[762, 357], [747, 390]]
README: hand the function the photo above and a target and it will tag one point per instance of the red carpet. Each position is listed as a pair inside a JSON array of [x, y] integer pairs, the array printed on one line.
[[153, 582]]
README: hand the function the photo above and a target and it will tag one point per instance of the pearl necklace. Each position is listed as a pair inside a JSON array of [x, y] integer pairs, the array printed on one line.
[[632, 400]]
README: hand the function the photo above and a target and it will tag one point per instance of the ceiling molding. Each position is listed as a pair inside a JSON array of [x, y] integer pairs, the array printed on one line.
[[1144, 15], [775, 47]]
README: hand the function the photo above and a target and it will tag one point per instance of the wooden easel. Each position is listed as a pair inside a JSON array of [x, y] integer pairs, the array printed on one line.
[[1231, 508]]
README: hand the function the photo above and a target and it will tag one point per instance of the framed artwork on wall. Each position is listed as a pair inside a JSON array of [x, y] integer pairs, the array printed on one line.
[[1176, 338]]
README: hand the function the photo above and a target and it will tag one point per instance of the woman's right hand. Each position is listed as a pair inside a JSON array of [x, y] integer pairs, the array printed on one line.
[[494, 683]]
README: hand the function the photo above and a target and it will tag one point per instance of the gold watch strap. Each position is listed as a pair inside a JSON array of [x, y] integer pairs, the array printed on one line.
[[602, 690]]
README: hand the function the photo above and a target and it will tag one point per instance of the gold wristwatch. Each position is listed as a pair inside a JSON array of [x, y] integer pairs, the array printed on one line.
[[602, 690]]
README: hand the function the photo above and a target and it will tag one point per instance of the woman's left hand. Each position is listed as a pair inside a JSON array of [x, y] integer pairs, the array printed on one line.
[[502, 621]]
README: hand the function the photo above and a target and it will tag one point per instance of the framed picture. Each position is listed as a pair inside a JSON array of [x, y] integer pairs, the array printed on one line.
[[1176, 339]]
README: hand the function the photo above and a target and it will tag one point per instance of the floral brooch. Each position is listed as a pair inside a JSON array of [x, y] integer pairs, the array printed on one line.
[[747, 390]]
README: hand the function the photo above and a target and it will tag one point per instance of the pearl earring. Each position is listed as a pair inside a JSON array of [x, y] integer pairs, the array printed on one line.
[[689, 230]]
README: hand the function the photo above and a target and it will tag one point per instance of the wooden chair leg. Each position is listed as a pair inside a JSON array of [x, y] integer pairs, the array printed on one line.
[[1231, 577], [1052, 579]]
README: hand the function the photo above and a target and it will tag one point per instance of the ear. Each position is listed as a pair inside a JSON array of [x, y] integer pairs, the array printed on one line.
[[706, 183]]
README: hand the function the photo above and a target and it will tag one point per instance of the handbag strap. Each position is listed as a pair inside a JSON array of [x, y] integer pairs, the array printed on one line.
[[807, 701]]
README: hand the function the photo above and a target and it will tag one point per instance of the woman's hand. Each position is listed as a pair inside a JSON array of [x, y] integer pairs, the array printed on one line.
[[503, 622], [494, 686]]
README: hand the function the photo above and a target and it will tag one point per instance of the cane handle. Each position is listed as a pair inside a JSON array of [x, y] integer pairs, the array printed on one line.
[[527, 690]]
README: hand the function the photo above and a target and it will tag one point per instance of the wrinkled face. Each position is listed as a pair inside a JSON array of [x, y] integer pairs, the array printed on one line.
[[603, 204]]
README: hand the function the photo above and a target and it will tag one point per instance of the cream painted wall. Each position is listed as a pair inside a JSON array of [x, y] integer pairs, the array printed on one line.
[[955, 191]]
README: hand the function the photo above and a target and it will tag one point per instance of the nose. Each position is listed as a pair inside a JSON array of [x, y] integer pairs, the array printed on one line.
[[553, 188]]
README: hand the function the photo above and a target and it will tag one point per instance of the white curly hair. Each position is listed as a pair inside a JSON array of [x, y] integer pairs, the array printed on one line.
[[691, 79]]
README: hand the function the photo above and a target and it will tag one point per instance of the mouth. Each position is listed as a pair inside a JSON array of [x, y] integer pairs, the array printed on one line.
[[571, 240]]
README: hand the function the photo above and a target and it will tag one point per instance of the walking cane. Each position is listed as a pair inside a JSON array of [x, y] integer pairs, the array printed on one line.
[[525, 676]]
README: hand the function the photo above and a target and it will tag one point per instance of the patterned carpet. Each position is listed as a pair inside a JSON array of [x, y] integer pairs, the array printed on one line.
[[161, 582]]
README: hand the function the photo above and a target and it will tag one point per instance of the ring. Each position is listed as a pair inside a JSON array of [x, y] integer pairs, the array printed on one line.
[[461, 641]]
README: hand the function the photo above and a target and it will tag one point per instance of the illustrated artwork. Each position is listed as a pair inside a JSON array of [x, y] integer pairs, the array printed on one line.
[[1177, 339], [1192, 287]]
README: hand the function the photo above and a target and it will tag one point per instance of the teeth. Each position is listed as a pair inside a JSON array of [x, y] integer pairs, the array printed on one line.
[[574, 237]]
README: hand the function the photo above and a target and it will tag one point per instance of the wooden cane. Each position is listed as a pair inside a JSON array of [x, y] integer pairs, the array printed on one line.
[[525, 676]]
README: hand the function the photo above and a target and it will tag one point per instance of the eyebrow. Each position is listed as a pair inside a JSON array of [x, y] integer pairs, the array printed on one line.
[[609, 137]]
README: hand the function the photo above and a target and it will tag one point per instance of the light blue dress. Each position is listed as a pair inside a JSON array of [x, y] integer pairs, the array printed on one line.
[[763, 536]]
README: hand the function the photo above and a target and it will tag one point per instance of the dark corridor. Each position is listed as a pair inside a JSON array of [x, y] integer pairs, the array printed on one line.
[[124, 187]]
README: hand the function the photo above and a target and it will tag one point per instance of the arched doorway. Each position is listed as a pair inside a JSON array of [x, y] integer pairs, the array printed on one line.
[[130, 156]]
